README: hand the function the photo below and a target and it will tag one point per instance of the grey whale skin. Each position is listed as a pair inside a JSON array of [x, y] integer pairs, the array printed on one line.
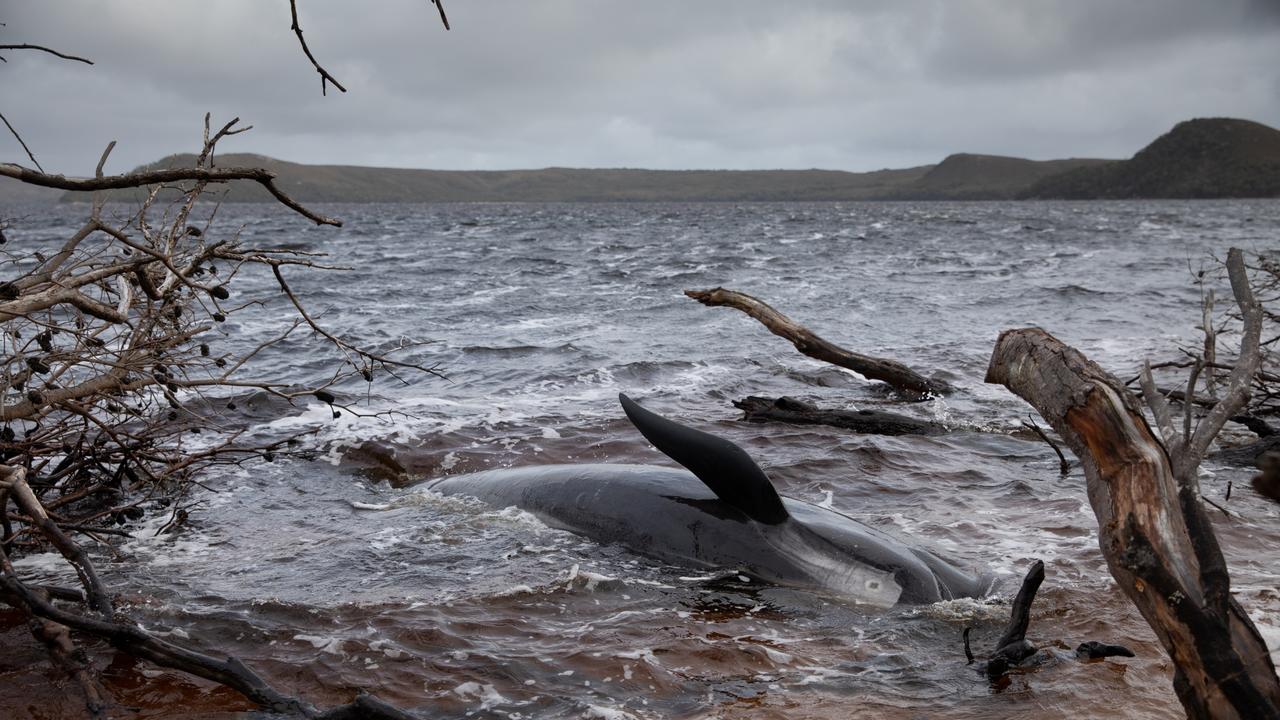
[[720, 513]]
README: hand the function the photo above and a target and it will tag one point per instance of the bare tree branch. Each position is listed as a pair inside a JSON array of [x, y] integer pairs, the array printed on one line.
[[1160, 409], [21, 142], [807, 342], [1239, 381], [440, 6], [262, 176], [325, 77], [51, 51]]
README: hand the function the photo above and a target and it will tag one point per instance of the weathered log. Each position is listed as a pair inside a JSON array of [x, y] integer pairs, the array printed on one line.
[[1249, 453], [1256, 425], [889, 371], [1153, 531], [798, 412]]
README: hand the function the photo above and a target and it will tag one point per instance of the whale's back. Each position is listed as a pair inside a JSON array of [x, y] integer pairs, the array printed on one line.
[[664, 513], [668, 514]]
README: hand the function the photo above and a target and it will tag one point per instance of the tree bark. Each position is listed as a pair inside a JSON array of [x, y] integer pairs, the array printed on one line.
[[1152, 529], [873, 368]]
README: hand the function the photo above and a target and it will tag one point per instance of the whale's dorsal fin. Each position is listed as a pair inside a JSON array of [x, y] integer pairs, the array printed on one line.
[[724, 467]]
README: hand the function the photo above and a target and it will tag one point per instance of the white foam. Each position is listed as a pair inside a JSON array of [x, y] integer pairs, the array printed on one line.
[[606, 713], [828, 500], [587, 579], [645, 654], [330, 645], [487, 695]]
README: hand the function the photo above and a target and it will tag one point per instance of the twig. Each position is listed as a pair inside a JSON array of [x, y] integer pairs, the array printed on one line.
[[440, 6], [1063, 464], [51, 51], [325, 77], [21, 142], [338, 342]]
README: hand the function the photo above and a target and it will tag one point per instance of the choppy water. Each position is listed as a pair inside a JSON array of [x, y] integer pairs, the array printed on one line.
[[541, 314]]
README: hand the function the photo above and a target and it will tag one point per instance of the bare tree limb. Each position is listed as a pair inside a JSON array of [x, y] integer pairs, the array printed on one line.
[[263, 177], [51, 51], [1159, 409], [1239, 381], [440, 6], [1064, 466], [21, 142], [325, 77], [890, 371]]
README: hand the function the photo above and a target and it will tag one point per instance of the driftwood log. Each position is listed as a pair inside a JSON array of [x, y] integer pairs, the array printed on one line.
[[798, 412], [807, 342], [1153, 529]]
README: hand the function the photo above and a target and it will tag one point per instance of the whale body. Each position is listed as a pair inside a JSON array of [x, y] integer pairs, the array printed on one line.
[[720, 513]]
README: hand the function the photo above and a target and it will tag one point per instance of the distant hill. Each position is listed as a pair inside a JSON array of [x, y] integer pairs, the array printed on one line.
[[1207, 158], [1203, 158], [13, 192], [349, 183], [988, 177]]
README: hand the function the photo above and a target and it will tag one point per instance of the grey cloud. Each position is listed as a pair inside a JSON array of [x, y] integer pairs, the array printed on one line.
[[752, 83]]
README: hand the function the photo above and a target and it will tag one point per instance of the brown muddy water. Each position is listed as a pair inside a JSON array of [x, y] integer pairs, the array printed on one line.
[[338, 571]]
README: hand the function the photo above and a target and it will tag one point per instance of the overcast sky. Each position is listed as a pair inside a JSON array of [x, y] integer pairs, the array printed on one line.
[[854, 85]]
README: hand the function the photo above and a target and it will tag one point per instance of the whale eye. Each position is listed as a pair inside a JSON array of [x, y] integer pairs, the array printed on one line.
[[873, 584]]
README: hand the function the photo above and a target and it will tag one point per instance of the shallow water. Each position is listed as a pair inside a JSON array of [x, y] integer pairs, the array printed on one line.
[[329, 578]]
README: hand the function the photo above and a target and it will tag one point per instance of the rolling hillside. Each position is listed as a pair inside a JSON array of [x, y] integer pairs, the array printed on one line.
[[1203, 158]]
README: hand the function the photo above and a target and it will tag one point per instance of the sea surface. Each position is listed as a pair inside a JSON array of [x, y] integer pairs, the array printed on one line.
[[336, 570]]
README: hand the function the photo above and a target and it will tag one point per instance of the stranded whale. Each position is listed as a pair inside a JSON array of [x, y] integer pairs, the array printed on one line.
[[722, 513]]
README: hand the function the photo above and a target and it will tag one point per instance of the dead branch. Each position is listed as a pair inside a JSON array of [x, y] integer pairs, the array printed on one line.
[[1246, 366], [133, 639], [1154, 532], [106, 341], [889, 371], [51, 51], [367, 358], [325, 77], [166, 176], [1209, 358], [13, 480], [23, 143], [798, 412], [1064, 466], [440, 7]]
